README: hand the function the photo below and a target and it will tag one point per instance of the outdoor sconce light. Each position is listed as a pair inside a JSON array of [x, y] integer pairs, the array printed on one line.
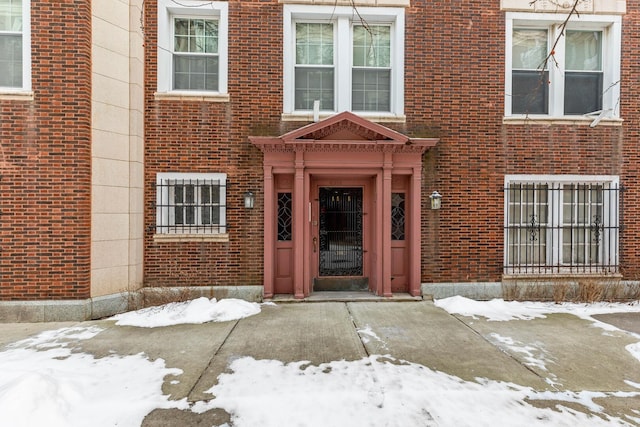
[[436, 199], [249, 200]]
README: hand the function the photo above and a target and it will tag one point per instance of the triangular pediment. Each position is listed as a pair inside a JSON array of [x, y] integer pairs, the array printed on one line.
[[345, 127], [345, 132]]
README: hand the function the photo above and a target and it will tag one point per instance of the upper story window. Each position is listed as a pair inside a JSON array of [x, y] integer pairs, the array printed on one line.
[[195, 54], [192, 47], [15, 67], [556, 71], [340, 60]]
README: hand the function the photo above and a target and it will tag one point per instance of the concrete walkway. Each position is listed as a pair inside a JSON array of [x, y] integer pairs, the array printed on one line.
[[560, 352]]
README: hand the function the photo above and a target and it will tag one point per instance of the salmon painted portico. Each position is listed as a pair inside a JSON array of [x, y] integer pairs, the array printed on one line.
[[369, 239]]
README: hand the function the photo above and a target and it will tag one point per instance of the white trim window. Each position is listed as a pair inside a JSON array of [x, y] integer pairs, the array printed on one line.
[[556, 72], [561, 224], [191, 203], [15, 45], [192, 47], [344, 59]]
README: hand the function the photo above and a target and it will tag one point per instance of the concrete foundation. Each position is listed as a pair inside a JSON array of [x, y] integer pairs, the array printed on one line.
[[585, 289], [105, 306]]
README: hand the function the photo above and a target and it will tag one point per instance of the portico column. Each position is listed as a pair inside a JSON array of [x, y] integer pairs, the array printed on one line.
[[298, 225], [269, 231], [386, 224], [415, 242]]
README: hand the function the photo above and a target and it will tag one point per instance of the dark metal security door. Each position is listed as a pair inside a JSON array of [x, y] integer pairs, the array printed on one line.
[[340, 231]]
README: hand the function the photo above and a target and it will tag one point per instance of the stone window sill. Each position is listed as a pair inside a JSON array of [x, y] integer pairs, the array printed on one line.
[[191, 97], [173, 238]]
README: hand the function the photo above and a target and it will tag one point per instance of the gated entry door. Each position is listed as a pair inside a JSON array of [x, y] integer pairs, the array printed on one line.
[[340, 265]]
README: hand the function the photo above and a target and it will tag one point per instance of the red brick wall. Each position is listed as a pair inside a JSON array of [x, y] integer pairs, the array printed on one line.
[[461, 96], [454, 89], [213, 137], [45, 161]]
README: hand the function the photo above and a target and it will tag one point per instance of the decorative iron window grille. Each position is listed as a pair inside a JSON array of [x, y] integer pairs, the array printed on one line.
[[397, 216], [191, 204], [284, 217], [562, 228]]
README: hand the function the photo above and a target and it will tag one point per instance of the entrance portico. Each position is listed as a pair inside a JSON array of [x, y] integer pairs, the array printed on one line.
[[342, 208]]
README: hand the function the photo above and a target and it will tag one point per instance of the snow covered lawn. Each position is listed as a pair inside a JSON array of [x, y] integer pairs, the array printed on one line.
[[45, 380]]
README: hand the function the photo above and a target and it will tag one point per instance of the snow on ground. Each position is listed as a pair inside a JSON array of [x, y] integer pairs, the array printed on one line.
[[534, 354], [501, 310], [200, 310], [43, 382], [382, 391], [367, 334]]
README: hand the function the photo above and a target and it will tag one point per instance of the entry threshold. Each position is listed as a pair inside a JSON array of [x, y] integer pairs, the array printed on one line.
[[344, 296]]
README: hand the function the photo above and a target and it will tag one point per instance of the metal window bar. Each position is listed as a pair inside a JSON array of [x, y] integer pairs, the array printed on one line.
[[191, 206], [557, 228]]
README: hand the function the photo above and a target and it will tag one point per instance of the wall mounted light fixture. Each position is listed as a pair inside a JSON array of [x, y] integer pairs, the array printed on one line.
[[249, 200], [436, 200]]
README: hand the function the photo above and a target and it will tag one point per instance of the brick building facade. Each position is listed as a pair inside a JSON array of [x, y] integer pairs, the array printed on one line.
[[126, 164]]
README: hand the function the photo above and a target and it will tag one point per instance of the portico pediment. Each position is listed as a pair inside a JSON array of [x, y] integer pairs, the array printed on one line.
[[345, 126], [344, 131]]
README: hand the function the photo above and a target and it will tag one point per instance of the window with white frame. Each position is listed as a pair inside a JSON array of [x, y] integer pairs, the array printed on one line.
[[192, 47], [556, 71], [343, 60], [561, 224], [191, 203], [15, 45]]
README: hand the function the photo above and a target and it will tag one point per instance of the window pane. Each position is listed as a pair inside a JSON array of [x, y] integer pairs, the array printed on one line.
[[583, 51], [178, 194], [196, 35], [582, 92], [205, 215], [215, 193], [11, 15], [314, 84], [189, 194], [371, 90], [190, 215], [529, 92], [314, 44], [195, 72], [205, 194], [179, 215], [529, 49], [372, 46], [10, 61]]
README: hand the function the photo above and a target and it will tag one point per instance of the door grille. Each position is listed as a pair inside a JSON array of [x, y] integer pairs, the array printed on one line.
[[340, 231]]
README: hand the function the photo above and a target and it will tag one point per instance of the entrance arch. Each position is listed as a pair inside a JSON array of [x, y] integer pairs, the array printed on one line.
[[347, 156]]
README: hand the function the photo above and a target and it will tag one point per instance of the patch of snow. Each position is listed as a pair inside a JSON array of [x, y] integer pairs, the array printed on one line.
[[366, 334], [534, 354], [501, 310], [633, 384], [43, 382], [388, 392], [197, 311], [495, 310], [634, 349]]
